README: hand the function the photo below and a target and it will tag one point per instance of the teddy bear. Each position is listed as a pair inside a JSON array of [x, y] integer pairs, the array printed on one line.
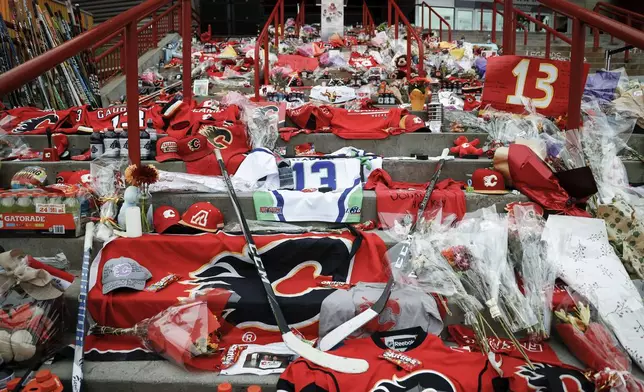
[[465, 148]]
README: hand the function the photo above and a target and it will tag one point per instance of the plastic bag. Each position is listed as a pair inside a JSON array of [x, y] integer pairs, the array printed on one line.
[[108, 185], [32, 309], [183, 333]]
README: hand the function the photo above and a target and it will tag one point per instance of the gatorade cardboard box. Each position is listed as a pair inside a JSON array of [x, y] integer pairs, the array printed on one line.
[[57, 210]]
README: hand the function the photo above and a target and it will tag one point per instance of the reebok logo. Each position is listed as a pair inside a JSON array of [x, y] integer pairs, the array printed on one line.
[[400, 343]]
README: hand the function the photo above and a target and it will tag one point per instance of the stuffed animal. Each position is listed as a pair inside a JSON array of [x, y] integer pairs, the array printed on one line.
[[470, 103], [130, 199], [463, 147], [401, 67]]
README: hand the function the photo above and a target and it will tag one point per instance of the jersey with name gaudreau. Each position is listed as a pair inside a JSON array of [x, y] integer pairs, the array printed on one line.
[[442, 368]]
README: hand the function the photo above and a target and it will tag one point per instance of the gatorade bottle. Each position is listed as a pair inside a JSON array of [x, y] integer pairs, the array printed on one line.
[[123, 143], [225, 387], [111, 144], [145, 144], [153, 138], [96, 146]]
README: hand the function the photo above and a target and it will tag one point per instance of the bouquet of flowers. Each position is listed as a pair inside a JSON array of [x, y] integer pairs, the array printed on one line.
[[593, 343], [108, 186], [183, 333]]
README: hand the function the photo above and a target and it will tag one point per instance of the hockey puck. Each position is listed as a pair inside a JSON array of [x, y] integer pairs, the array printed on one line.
[[422, 157]]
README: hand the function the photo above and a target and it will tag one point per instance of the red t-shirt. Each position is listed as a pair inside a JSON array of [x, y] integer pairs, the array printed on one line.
[[396, 199]]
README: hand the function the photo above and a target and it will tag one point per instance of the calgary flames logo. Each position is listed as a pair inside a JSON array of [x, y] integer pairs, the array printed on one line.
[[554, 379], [194, 144], [421, 381], [219, 137], [490, 181], [37, 122], [295, 267]]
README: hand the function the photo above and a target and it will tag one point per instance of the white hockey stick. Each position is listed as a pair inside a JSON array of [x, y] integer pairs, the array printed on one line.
[[345, 329], [77, 367], [293, 342]]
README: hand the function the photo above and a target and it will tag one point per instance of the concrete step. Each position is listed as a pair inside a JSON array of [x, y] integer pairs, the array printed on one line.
[[73, 247], [155, 376], [400, 170], [402, 145]]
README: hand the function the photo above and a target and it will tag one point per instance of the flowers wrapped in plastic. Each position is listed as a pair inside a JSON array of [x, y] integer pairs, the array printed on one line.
[[108, 185], [183, 333], [490, 278], [586, 336], [31, 308], [537, 273]]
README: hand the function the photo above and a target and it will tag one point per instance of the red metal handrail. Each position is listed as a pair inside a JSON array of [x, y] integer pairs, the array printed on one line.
[[411, 32], [620, 12], [16, 77], [300, 19], [367, 20], [111, 61], [549, 30], [581, 17], [441, 20], [496, 11], [278, 12]]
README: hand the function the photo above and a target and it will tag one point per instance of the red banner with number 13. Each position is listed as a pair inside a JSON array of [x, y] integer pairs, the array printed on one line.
[[508, 79]]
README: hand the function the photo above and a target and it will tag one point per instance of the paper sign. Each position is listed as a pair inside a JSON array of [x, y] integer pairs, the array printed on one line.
[[332, 18], [510, 80]]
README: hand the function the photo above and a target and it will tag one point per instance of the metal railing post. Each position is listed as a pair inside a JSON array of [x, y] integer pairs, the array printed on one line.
[[282, 22], [186, 35], [547, 44], [577, 79], [508, 33], [493, 36], [277, 33], [554, 24], [388, 13], [408, 53], [132, 93], [481, 25]]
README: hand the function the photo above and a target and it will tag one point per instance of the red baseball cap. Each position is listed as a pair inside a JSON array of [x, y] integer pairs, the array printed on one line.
[[489, 182], [194, 147], [413, 123], [61, 144], [167, 149], [73, 177], [203, 216], [165, 217]]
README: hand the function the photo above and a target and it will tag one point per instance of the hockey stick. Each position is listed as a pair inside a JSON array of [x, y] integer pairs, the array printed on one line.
[[293, 342], [77, 368], [345, 329]]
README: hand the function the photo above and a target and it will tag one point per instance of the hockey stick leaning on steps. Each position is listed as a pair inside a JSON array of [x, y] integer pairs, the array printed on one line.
[[77, 367], [345, 329], [293, 342]]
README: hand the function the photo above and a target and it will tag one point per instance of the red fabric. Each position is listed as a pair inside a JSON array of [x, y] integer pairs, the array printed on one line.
[[366, 124], [297, 63], [395, 199], [441, 368], [116, 117], [596, 348], [538, 352], [232, 140], [534, 179], [358, 61], [189, 118], [34, 121], [318, 116], [218, 261]]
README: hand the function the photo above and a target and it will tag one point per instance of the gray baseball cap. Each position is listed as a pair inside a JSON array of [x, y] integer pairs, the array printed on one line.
[[124, 272]]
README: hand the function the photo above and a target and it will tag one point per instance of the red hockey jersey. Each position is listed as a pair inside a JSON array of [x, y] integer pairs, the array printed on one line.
[[359, 61], [294, 262], [189, 118], [396, 199], [34, 121], [366, 124], [441, 369], [116, 117]]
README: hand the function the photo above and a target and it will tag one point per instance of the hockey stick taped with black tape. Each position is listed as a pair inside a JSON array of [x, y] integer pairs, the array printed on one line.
[[292, 341], [345, 329], [77, 368]]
